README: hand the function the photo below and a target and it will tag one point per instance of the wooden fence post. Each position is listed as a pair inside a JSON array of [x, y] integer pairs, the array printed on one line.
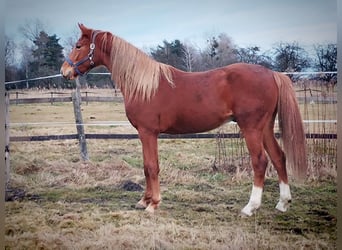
[[76, 99], [7, 134]]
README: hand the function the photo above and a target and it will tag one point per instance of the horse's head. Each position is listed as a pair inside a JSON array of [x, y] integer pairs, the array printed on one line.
[[82, 57]]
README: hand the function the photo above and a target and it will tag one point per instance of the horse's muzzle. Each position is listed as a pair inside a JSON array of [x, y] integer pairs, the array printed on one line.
[[67, 72]]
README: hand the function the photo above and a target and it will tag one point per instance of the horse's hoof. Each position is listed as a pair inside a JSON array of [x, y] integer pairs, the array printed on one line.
[[141, 205], [245, 214], [249, 209], [150, 209], [282, 206]]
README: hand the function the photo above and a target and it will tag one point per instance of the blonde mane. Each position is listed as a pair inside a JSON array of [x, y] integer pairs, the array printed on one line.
[[134, 72]]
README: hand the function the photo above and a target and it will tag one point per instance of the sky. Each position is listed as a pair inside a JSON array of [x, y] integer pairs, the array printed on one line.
[[146, 24]]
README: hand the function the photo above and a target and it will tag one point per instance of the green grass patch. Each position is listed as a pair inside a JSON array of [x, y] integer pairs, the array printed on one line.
[[134, 161]]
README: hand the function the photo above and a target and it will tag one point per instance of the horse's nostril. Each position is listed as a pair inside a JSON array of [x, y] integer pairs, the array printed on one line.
[[66, 73]]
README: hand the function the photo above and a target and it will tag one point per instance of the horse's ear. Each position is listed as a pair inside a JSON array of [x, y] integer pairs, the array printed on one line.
[[83, 28]]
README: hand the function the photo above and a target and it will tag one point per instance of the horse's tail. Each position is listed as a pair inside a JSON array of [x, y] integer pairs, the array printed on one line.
[[291, 127]]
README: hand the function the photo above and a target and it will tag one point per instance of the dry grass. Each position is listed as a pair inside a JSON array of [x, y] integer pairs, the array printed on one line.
[[69, 204]]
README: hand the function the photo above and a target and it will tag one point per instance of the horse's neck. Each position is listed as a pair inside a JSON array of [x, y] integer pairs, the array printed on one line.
[[133, 71]]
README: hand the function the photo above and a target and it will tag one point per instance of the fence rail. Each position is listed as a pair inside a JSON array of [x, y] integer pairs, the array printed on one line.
[[107, 73], [87, 99], [66, 98], [57, 97], [161, 136]]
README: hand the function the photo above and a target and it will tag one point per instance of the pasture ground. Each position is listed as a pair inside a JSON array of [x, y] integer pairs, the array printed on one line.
[[63, 203], [57, 201]]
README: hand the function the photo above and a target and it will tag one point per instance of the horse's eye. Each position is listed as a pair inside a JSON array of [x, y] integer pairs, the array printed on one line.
[[78, 46]]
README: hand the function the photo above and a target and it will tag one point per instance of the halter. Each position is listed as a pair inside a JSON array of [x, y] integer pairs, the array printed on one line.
[[89, 57]]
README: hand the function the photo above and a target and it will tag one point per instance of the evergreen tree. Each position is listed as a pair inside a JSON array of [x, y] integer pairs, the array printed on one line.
[[171, 53], [54, 53], [48, 57], [48, 53]]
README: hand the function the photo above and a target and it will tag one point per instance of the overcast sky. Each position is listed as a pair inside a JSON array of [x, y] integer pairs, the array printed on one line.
[[147, 23]]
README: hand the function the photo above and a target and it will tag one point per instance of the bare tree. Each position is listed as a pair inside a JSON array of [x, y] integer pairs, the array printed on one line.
[[26, 59], [9, 59], [32, 28], [253, 55], [248, 54], [219, 52], [290, 57], [188, 56], [326, 60], [9, 51], [71, 40], [225, 50]]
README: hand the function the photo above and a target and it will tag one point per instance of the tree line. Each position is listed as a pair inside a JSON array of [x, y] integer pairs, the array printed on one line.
[[42, 54]]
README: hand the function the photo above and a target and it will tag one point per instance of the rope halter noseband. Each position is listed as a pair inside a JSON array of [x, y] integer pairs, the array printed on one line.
[[89, 57]]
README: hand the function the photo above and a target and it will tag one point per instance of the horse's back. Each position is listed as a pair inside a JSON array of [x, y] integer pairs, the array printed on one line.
[[202, 101], [248, 75]]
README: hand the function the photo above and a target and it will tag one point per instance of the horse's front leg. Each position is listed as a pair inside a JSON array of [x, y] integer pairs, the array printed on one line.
[[151, 198]]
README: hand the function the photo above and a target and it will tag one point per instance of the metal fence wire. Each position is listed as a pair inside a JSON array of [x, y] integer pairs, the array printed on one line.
[[318, 105]]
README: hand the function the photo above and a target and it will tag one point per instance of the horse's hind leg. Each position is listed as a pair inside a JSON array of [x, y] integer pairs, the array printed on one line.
[[256, 150], [279, 162]]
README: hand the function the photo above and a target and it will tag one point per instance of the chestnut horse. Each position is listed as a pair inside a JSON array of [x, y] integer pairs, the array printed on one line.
[[159, 98]]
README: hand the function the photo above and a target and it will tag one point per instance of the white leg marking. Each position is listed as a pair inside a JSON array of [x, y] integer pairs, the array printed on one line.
[[254, 201], [151, 207], [285, 197]]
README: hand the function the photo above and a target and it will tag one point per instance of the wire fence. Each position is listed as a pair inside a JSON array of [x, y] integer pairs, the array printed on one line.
[[318, 105], [106, 73]]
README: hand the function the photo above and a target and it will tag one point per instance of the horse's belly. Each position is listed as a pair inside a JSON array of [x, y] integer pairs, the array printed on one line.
[[197, 122]]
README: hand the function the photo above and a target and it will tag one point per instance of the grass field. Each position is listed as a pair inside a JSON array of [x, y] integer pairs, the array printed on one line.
[[60, 202]]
